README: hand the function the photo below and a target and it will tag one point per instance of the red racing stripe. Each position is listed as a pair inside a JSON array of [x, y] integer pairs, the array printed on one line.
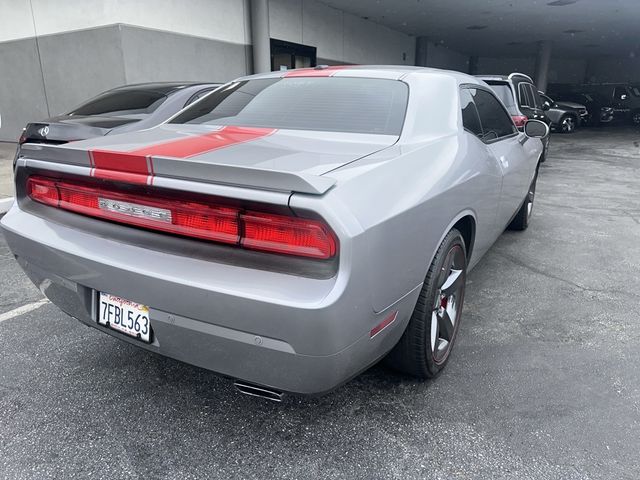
[[122, 166], [196, 145], [136, 166], [315, 72]]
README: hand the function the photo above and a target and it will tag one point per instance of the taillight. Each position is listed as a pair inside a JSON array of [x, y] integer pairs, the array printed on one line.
[[519, 120], [282, 234], [199, 219], [43, 191]]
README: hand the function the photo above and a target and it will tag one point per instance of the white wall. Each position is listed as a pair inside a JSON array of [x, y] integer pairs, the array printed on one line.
[[15, 20], [212, 19], [338, 36]]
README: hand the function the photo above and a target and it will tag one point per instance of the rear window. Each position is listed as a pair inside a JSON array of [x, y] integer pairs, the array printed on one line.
[[121, 102], [505, 94], [352, 105]]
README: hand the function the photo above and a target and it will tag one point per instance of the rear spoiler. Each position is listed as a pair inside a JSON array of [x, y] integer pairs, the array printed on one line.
[[66, 159]]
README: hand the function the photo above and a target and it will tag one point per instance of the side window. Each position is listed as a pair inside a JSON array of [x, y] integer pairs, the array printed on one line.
[[525, 95], [198, 95], [470, 118], [537, 101], [495, 120], [620, 93]]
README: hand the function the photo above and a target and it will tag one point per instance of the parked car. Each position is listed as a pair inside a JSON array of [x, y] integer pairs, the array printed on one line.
[[622, 99], [565, 116], [625, 100], [600, 111], [286, 230], [519, 94], [122, 109]]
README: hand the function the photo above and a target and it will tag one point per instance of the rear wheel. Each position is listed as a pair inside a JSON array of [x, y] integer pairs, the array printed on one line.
[[426, 344], [521, 220]]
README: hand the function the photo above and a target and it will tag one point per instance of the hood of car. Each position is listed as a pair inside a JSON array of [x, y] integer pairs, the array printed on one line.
[[575, 105]]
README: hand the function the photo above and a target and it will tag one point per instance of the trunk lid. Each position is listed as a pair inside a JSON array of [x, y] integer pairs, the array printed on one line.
[[283, 160], [68, 128]]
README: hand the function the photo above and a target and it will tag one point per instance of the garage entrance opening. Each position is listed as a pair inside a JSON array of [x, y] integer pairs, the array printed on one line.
[[287, 55]]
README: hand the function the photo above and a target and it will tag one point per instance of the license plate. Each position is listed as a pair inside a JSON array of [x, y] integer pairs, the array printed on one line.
[[125, 316]]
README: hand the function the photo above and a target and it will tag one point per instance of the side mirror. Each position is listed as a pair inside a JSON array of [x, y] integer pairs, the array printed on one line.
[[546, 106], [536, 129]]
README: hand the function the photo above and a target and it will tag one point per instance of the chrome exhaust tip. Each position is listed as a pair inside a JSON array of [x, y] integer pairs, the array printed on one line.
[[255, 391]]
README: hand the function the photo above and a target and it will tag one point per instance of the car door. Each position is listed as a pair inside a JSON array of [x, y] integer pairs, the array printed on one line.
[[506, 145], [621, 100], [539, 112]]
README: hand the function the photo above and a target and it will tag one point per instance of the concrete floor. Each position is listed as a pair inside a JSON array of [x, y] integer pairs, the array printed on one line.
[[543, 383]]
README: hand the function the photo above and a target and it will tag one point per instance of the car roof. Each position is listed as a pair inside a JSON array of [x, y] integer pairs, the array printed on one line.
[[392, 72]]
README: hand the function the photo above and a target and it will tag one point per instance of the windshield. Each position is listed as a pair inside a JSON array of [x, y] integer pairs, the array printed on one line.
[[504, 93], [353, 105], [121, 102]]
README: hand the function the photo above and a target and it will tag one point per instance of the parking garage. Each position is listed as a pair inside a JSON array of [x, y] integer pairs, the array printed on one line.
[[543, 380]]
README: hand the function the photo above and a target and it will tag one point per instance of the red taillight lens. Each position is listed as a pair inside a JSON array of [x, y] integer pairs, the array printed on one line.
[[208, 222], [519, 120], [292, 235], [43, 191], [253, 230]]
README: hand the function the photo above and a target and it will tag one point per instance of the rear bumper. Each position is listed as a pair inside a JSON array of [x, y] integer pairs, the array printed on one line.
[[289, 333]]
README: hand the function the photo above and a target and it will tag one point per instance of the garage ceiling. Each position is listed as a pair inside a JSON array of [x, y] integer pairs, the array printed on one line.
[[578, 28]]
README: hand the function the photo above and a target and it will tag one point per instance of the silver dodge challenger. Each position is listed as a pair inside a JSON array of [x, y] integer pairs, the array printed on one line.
[[287, 230]]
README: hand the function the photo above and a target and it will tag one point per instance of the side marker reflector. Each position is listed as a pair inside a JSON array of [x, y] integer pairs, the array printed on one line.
[[389, 319]]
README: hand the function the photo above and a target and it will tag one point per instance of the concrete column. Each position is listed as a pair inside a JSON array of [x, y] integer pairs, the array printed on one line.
[[421, 51], [473, 65], [542, 64], [260, 36]]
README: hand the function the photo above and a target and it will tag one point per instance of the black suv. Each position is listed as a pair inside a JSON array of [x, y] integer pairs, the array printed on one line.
[[519, 94], [622, 99], [625, 100]]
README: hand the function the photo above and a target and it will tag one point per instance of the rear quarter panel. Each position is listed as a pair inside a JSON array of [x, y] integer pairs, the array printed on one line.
[[393, 208]]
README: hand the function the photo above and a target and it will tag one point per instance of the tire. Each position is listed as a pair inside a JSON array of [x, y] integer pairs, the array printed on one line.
[[521, 220], [568, 124], [438, 308]]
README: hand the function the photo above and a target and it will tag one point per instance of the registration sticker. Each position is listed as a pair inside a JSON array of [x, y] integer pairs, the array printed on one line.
[[125, 316]]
